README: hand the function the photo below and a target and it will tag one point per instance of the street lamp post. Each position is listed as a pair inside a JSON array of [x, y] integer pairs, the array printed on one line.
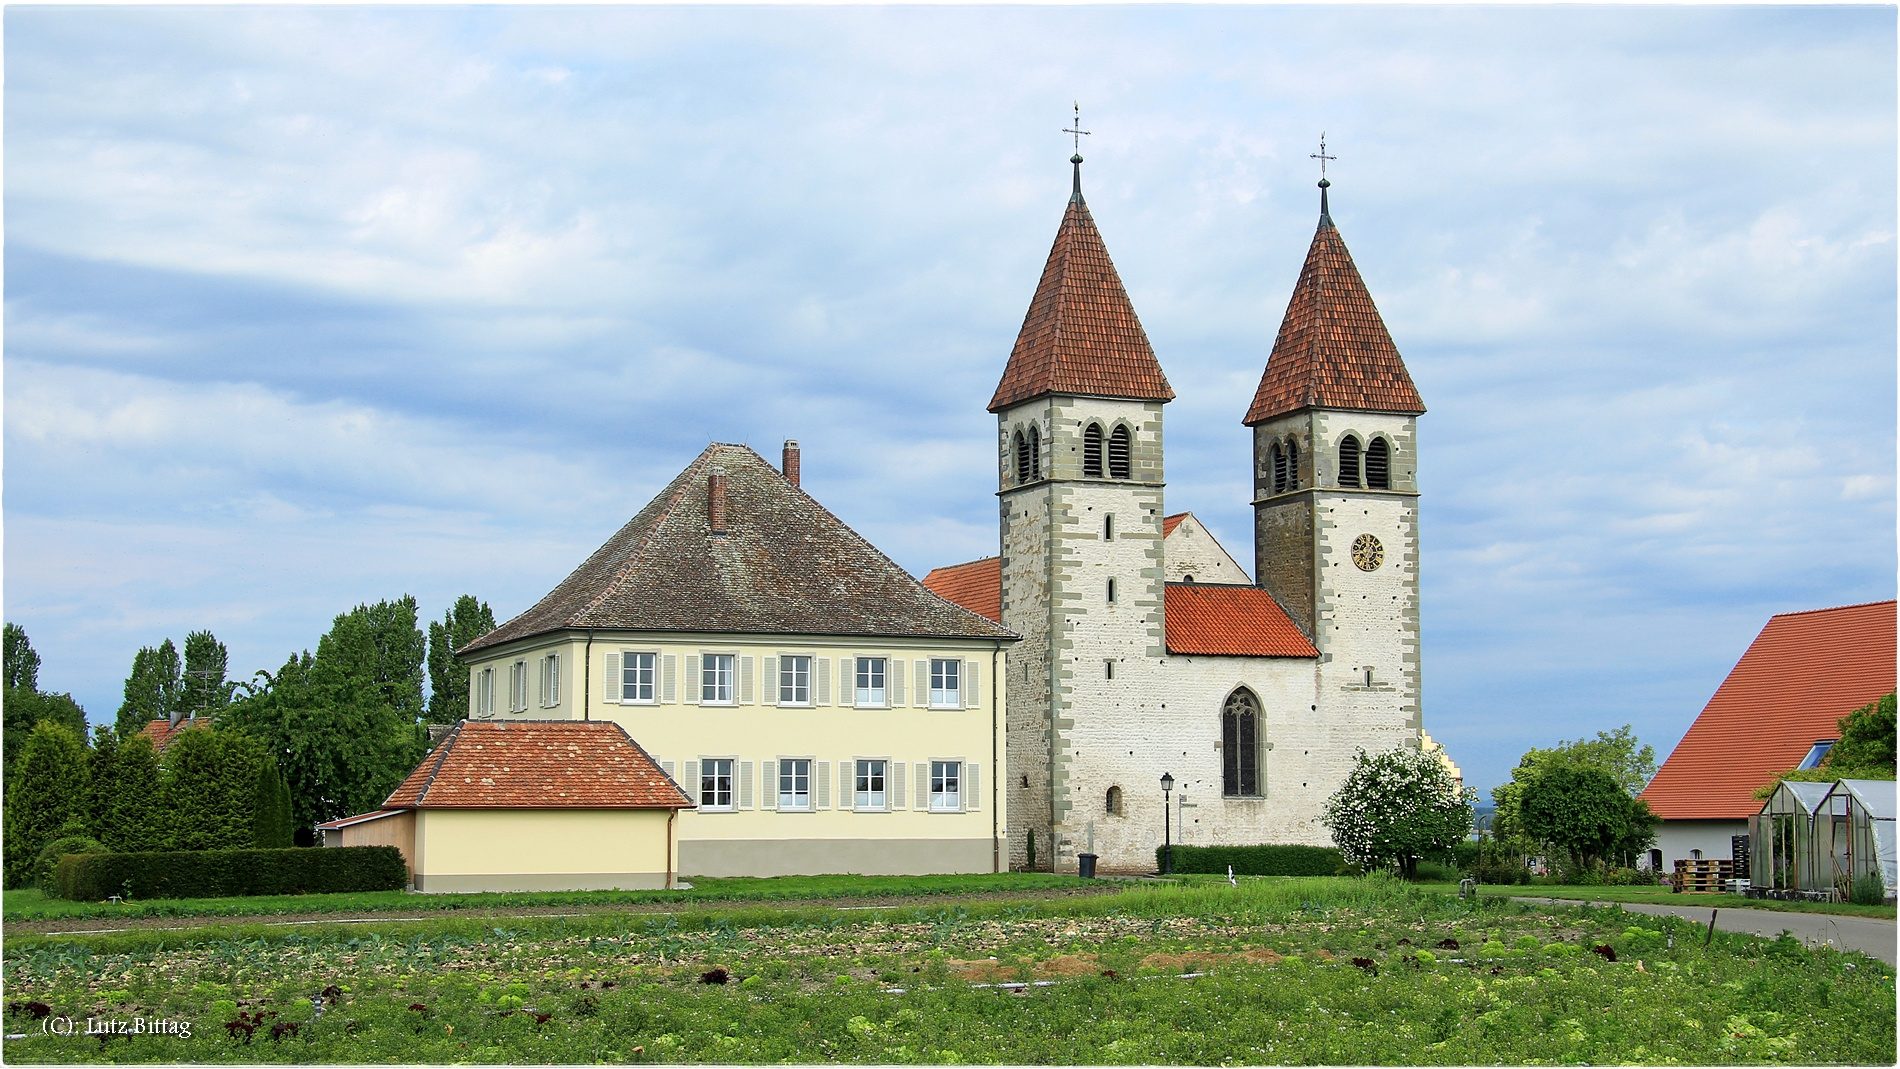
[[1167, 825]]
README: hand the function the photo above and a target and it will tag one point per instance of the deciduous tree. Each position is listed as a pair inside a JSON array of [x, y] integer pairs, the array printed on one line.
[[203, 689], [1866, 749], [154, 689], [1583, 809], [22, 703], [469, 620], [1397, 808], [1618, 753]]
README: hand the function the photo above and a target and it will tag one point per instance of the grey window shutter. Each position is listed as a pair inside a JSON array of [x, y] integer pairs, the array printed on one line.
[[692, 779], [768, 784], [972, 787], [610, 681], [745, 785], [971, 699], [768, 681], [692, 679], [921, 696], [848, 785], [669, 678], [745, 679], [821, 686], [923, 786], [667, 767], [821, 785], [894, 677], [894, 788]]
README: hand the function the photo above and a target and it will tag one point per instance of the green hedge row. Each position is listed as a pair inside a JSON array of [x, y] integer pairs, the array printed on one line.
[[226, 873], [1256, 860]]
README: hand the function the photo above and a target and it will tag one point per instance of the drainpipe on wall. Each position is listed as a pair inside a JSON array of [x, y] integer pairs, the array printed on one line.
[[671, 816], [587, 678], [996, 768]]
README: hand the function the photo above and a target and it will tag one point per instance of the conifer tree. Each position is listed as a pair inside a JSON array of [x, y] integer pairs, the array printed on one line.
[[209, 788], [271, 828], [125, 811], [47, 796], [469, 620], [152, 691], [22, 703]]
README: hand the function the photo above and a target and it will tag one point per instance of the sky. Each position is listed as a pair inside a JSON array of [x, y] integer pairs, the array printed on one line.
[[309, 307]]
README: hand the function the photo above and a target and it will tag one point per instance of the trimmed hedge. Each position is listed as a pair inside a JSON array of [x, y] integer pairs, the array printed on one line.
[[1256, 860], [227, 873]]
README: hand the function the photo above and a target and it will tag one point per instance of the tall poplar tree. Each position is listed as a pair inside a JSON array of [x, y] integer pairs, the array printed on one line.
[[153, 690], [469, 620], [22, 703], [203, 689]]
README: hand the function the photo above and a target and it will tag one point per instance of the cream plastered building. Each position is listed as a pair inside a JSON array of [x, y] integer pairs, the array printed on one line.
[[1147, 649], [824, 710]]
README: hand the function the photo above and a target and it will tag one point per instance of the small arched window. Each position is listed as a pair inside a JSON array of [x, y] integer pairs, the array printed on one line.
[[1092, 452], [1108, 527], [1240, 745], [1378, 465], [1349, 461], [1022, 458], [1292, 465], [1279, 469], [1118, 454], [1114, 804], [1111, 591], [1035, 452]]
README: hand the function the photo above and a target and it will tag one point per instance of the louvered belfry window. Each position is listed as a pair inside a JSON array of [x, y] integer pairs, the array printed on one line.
[[1279, 469], [1292, 465], [1378, 465], [1349, 461], [1118, 454], [1092, 452], [1240, 745], [1035, 453], [1022, 458]]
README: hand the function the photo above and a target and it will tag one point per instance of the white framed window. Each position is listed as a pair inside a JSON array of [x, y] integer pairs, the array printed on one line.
[[715, 783], [550, 681], [794, 680], [715, 679], [946, 683], [946, 786], [872, 783], [872, 681], [636, 677], [484, 693], [794, 783], [518, 687]]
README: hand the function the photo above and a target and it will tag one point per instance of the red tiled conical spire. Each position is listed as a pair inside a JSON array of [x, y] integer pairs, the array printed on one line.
[[1333, 350], [1081, 335]]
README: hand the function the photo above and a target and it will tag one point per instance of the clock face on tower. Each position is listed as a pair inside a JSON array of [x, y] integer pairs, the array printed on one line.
[[1367, 553]]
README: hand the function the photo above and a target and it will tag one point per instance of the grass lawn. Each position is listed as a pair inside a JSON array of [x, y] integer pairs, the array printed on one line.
[[28, 904], [1339, 971], [1663, 897]]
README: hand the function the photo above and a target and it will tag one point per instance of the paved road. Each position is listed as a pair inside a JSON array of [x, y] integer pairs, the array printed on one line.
[[1872, 936]]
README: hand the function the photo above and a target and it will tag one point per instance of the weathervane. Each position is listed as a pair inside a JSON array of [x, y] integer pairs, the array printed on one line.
[[1081, 133], [1321, 155]]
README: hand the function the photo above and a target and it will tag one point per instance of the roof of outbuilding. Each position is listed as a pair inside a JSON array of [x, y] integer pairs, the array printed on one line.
[[1207, 619], [1803, 673], [977, 586], [1081, 335], [538, 764], [785, 565], [1333, 350]]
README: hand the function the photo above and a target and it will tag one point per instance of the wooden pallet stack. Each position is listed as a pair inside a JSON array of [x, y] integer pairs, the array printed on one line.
[[1702, 876]]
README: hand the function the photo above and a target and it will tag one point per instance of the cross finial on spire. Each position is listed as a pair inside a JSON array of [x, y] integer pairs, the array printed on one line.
[[1077, 128], [1325, 212]]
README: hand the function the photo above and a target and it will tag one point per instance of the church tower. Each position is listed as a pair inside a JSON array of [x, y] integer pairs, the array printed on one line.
[[1335, 459], [1078, 446]]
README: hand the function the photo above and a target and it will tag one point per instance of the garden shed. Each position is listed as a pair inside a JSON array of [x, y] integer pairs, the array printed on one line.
[[1855, 823], [1785, 855]]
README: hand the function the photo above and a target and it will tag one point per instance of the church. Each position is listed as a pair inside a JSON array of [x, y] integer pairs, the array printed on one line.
[[1146, 650]]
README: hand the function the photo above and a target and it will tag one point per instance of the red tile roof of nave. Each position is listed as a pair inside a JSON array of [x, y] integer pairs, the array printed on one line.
[[1803, 673], [1169, 523], [977, 586], [538, 764], [1333, 350], [1206, 619], [1081, 335]]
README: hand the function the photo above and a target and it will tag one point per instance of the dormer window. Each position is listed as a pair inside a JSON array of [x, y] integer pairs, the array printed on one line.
[[1379, 465], [1816, 753], [1092, 452], [1118, 453], [1349, 461]]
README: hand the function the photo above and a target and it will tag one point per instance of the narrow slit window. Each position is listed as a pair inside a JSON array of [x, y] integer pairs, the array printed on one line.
[[1092, 452], [1118, 454], [1108, 527], [1111, 591], [1378, 465], [1108, 668], [1349, 461]]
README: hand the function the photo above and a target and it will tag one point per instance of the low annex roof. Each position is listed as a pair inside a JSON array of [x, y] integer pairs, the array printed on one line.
[[1207, 619], [783, 565], [538, 764], [977, 586], [361, 818], [1803, 673]]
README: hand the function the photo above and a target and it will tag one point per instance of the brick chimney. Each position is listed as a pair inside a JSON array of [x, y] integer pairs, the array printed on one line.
[[790, 465], [716, 499]]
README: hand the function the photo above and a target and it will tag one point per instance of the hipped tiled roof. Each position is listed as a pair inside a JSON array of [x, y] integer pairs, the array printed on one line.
[[977, 586], [1081, 335], [1333, 350], [538, 764], [785, 565], [1803, 673], [1206, 619]]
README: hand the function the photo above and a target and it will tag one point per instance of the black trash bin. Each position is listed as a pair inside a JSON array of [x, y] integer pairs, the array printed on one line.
[[1086, 866]]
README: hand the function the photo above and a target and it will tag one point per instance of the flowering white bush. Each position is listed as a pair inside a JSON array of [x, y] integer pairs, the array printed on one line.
[[1396, 808]]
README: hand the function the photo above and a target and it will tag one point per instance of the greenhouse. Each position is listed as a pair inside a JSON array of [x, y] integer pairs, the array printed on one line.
[[1784, 853], [1854, 827]]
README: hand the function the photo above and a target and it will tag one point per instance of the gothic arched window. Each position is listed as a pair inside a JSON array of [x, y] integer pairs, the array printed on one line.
[[1240, 745], [1092, 452], [1279, 469], [1292, 464], [1114, 803], [1118, 454], [1022, 458], [1035, 452], [1379, 465], [1349, 461]]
